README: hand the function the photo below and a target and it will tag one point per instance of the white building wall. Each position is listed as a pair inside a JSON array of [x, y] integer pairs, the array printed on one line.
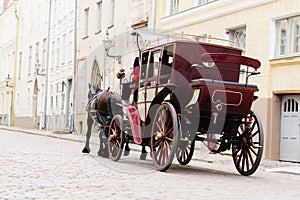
[[90, 44], [61, 51], [7, 56], [33, 23]]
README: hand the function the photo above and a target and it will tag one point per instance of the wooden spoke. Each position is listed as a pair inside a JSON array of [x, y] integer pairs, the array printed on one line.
[[164, 136], [248, 156]]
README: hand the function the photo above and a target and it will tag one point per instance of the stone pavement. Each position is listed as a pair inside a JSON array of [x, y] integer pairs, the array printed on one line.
[[266, 165]]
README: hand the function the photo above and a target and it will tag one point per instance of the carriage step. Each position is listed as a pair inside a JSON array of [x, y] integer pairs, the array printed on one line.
[[257, 146]]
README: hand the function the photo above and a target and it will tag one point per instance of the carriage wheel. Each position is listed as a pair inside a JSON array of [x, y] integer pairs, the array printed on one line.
[[248, 151], [185, 151], [164, 136], [115, 138]]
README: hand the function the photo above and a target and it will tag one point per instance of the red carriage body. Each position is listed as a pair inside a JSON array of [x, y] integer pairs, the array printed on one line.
[[190, 91]]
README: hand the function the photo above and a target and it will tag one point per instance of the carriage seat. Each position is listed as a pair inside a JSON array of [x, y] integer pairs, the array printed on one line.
[[203, 80]]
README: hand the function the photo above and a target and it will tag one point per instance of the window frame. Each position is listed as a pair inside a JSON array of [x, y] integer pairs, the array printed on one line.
[[291, 46]]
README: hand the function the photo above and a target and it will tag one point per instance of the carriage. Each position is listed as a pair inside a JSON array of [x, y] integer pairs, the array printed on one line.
[[190, 91]]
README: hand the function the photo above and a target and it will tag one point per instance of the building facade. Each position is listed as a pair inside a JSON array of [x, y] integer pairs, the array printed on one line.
[[7, 57], [100, 20], [32, 37], [61, 65], [267, 30], [43, 98]]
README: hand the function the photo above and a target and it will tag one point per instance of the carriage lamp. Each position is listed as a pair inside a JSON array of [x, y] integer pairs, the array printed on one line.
[[107, 45], [37, 68], [7, 79]]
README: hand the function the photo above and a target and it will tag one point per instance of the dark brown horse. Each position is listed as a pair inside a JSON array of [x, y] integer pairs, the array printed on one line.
[[101, 107]]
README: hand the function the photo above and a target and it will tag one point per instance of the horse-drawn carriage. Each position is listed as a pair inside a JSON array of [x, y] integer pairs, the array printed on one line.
[[190, 91]]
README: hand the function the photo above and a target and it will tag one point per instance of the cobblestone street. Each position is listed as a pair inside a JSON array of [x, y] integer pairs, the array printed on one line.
[[36, 167]]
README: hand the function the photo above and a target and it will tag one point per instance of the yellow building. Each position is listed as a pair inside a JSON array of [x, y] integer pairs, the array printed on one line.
[[268, 30], [7, 56]]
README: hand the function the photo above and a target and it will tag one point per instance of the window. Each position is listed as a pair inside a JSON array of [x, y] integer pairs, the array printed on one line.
[[64, 49], [70, 54], [99, 16], [44, 56], [37, 53], [56, 102], [31, 20], [29, 61], [291, 105], [166, 67], [58, 52], [145, 57], [62, 102], [201, 2], [38, 15], [153, 67], [239, 36], [21, 27], [45, 13], [172, 6], [86, 22], [53, 55], [20, 65], [51, 97], [28, 99], [287, 36], [55, 15], [112, 11]]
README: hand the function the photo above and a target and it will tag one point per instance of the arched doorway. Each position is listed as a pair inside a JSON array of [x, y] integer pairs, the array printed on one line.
[[96, 77]]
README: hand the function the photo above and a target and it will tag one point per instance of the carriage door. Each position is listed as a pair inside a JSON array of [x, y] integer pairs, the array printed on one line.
[[148, 81], [290, 128]]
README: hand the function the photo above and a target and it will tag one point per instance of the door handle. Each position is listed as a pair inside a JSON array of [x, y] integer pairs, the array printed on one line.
[[293, 138]]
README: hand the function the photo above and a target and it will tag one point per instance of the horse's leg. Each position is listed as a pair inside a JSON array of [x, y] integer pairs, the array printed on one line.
[[144, 153], [90, 122], [127, 149], [103, 148]]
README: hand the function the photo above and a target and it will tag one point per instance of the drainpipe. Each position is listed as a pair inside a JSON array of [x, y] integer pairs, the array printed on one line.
[[47, 66], [15, 66], [72, 128], [153, 13]]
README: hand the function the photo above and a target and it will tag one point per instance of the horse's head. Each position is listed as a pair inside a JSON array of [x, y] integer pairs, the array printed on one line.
[[93, 90]]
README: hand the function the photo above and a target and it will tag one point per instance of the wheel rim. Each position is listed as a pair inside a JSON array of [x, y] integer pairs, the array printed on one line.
[[115, 139], [247, 152], [185, 151], [164, 137]]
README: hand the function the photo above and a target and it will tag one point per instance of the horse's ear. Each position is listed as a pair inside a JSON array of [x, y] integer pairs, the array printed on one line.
[[90, 85]]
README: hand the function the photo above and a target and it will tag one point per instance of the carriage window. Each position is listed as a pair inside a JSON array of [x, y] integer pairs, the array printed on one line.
[[166, 67], [144, 65], [153, 67]]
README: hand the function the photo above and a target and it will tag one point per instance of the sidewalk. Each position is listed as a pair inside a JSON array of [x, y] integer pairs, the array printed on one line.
[[266, 165]]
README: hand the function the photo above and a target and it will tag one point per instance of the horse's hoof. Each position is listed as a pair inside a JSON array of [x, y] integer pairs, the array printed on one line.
[[143, 156], [126, 153], [85, 150], [105, 155]]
